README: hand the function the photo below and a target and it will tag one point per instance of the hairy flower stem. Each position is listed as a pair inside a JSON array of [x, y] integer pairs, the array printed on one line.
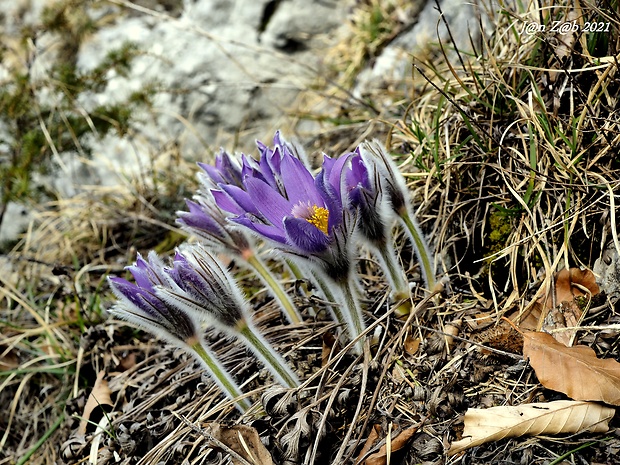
[[421, 248], [272, 360], [395, 274], [221, 377], [346, 309], [354, 314], [335, 307], [276, 288], [295, 270]]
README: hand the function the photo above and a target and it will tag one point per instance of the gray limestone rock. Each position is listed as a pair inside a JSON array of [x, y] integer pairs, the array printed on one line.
[[14, 222], [607, 272]]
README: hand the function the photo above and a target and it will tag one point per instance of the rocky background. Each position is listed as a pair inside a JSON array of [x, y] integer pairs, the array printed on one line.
[[225, 72]]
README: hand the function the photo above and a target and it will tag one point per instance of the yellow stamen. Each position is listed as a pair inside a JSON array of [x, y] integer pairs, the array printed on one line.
[[313, 214], [319, 217]]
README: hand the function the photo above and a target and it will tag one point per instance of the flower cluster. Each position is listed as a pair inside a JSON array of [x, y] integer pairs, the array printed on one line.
[[315, 222]]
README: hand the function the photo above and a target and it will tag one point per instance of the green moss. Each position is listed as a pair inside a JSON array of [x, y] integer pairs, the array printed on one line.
[[500, 229]]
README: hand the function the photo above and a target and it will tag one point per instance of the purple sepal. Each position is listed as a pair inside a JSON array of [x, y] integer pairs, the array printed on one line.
[[270, 203], [332, 201], [305, 236], [266, 230], [199, 219]]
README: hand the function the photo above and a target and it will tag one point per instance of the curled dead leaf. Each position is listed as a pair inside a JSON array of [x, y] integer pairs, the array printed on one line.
[[573, 283], [561, 309], [330, 346], [127, 362], [562, 416], [392, 444], [452, 329], [575, 371], [242, 440], [99, 396], [370, 440]]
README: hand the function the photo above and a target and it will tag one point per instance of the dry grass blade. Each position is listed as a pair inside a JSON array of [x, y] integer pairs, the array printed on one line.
[[575, 371], [562, 416]]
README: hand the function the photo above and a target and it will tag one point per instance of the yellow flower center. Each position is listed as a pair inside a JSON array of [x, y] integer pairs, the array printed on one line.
[[313, 214], [319, 218]]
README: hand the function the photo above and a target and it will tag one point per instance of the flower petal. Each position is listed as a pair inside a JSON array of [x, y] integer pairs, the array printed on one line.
[[140, 272], [234, 200], [358, 174], [269, 202], [305, 236], [213, 173], [198, 218], [231, 172], [299, 183], [226, 203], [334, 171]]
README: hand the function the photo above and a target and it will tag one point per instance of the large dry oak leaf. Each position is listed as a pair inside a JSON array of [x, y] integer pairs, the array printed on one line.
[[562, 416], [575, 371]]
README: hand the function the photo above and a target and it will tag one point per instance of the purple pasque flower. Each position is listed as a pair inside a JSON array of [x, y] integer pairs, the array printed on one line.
[[140, 304], [208, 222], [366, 195], [226, 170], [301, 214], [388, 175], [230, 171], [395, 187], [204, 287]]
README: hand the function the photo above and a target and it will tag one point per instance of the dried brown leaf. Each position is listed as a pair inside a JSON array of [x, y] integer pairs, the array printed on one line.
[[575, 371], [452, 329], [562, 416], [568, 284], [396, 443], [8, 360], [370, 440], [480, 320], [527, 320], [100, 395], [565, 315], [243, 440], [330, 346], [411, 345], [128, 362]]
